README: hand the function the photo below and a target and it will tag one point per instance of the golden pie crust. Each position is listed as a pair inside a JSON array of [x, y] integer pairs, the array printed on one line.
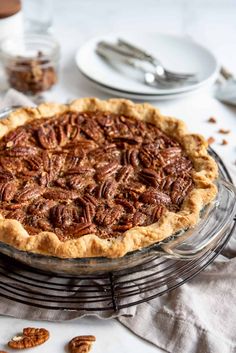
[[204, 173]]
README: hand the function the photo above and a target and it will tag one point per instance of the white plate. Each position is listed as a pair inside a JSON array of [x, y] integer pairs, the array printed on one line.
[[142, 97], [178, 53]]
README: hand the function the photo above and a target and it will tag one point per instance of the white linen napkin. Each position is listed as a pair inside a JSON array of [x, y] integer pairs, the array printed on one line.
[[197, 317]]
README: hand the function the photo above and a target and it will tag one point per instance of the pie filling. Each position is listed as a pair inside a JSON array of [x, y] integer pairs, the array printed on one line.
[[90, 172]]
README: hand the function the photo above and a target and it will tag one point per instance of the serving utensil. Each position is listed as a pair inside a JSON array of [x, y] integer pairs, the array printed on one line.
[[112, 53], [159, 68]]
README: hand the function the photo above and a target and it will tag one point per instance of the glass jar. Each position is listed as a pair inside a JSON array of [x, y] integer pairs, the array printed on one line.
[[31, 62]]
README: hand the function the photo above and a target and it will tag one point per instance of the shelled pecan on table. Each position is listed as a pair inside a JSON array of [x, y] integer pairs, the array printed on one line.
[[30, 338]]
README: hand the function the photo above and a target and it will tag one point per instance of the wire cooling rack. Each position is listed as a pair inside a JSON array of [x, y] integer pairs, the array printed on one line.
[[104, 292]]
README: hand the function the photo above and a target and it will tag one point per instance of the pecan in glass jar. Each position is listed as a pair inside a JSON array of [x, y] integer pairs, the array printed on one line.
[[31, 63]]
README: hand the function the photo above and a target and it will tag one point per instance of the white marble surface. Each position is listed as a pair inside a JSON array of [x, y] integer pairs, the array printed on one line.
[[211, 22]]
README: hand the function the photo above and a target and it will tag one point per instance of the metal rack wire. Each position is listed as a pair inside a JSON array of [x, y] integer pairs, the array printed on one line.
[[103, 292]]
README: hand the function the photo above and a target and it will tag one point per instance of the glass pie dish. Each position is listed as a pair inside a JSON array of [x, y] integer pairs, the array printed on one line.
[[216, 220]]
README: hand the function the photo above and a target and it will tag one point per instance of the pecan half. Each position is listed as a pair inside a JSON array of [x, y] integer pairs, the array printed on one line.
[[155, 196], [28, 193], [81, 344], [17, 214], [107, 189], [47, 137], [16, 137], [7, 191], [31, 337], [20, 151], [5, 176], [124, 173], [180, 189], [107, 217], [61, 215], [76, 230], [59, 194], [76, 181], [130, 156], [181, 165], [106, 170], [40, 207], [149, 177]]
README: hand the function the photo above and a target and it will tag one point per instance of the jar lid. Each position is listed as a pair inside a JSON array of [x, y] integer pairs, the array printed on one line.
[[9, 8]]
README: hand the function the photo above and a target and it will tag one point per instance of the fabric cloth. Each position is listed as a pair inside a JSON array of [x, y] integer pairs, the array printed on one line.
[[197, 317]]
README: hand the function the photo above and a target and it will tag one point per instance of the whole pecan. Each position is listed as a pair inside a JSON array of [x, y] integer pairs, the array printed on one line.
[[7, 191], [122, 227], [34, 163], [148, 153], [108, 216], [81, 344], [72, 132], [76, 181], [156, 213], [61, 135], [73, 162], [31, 337], [106, 171], [91, 129], [78, 229], [154, 196], [170, 153], [106, 189], [16, 137], [149, 177], [59, 194], [17, 214], [130, 156], [126, 204], [40, 207], [87, 199], [28, 193], [61, 215], [124, 173], [20, 151], [180, 189], [181, 165], [130, 140], [47, 137], [5, 176], [88, 212], [139, 218], [104, 120]]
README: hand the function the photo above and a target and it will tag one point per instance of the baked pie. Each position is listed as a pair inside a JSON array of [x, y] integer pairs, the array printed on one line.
[[99, 178]]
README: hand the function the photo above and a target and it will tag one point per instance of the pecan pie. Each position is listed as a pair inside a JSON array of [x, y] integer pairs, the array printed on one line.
[[99, 178]]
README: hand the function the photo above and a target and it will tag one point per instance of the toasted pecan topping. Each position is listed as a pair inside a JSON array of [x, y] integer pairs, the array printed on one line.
[[81, 344], [90, 172], [31, 337]]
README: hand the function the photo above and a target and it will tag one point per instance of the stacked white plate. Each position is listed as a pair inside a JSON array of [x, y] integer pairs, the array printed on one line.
[[177, 53]]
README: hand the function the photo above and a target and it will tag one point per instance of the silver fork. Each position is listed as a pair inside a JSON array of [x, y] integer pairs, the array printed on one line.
[[114, 53], [159, 68]]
